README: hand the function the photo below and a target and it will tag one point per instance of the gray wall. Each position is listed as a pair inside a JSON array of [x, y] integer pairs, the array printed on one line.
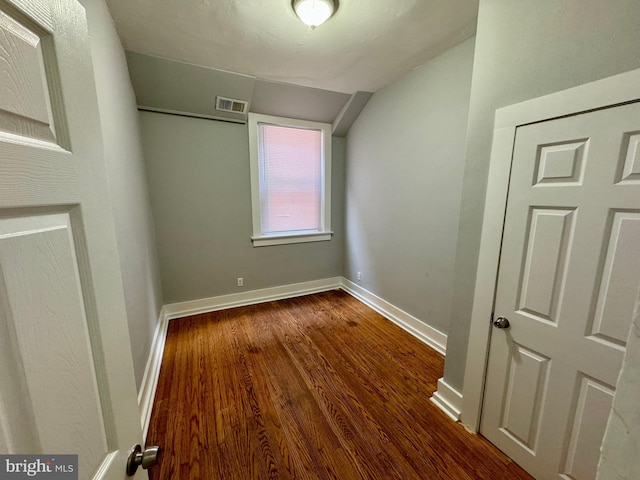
[[405, 156], [127, 183], [524, 50], [201, 197]]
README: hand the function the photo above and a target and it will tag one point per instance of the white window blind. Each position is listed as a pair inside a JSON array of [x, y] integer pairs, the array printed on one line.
[[290, 162]]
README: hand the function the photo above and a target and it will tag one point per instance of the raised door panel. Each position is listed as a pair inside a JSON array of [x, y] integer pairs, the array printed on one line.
[[588, 422], [45, 327], [30, 97], [629, 170], [561, 164], [619, 281], [545, 261], [527, 379]]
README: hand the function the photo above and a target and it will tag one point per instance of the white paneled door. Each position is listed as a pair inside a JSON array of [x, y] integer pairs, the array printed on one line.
[[568, 278], [66, 377]]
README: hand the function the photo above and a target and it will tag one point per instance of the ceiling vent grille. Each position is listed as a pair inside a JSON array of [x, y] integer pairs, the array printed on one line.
[[231, 105]]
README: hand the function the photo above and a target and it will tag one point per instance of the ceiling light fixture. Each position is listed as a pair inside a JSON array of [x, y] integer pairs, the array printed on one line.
[[314, 12]]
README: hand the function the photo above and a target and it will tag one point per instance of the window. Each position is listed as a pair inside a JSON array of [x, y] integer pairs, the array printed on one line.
[[290, 180]]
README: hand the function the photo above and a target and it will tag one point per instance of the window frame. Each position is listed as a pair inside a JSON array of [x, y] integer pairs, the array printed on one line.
[[260, 238]]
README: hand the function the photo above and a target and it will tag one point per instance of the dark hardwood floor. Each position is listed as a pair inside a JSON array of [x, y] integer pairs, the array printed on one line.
[[316, 387]]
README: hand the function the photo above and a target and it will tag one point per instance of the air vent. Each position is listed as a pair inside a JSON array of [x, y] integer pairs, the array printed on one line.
[[230, 105]]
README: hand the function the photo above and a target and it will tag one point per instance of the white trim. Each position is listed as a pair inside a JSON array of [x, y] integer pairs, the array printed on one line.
[[106, 466], [259, 238], [448, 399], [487, 275], [611, 91], [291, 238], [429, 335], [181, 113], [204, 305], [603, 93], [147, 392]]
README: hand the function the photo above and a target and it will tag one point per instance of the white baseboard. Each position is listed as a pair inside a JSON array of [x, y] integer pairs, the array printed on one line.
[[448, 399], [211, 304], [432, 337], [429, 335], [147, 391]]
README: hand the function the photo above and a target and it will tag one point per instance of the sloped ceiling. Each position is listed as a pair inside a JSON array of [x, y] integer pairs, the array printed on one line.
[[366, 45], [169, 86]]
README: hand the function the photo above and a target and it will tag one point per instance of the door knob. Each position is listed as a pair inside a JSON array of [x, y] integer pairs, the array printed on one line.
[[146, 459], [501, 322]]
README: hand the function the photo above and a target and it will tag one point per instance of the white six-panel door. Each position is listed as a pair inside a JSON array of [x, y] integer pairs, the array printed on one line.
[[568, 277], [66, 377]]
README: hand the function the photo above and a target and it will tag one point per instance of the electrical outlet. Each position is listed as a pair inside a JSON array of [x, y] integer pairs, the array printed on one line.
[[359, 276], [240, 281]]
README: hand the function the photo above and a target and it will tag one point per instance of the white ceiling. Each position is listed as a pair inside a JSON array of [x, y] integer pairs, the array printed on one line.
[[366, 45]]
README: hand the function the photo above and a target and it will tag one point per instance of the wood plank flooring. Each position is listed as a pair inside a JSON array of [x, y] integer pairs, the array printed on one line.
[[316, 387]]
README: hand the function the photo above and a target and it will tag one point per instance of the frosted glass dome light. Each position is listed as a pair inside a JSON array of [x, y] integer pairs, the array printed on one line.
[[313, 12]]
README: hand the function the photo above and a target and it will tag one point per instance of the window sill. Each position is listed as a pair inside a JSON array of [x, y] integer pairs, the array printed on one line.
[[287, 238]]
